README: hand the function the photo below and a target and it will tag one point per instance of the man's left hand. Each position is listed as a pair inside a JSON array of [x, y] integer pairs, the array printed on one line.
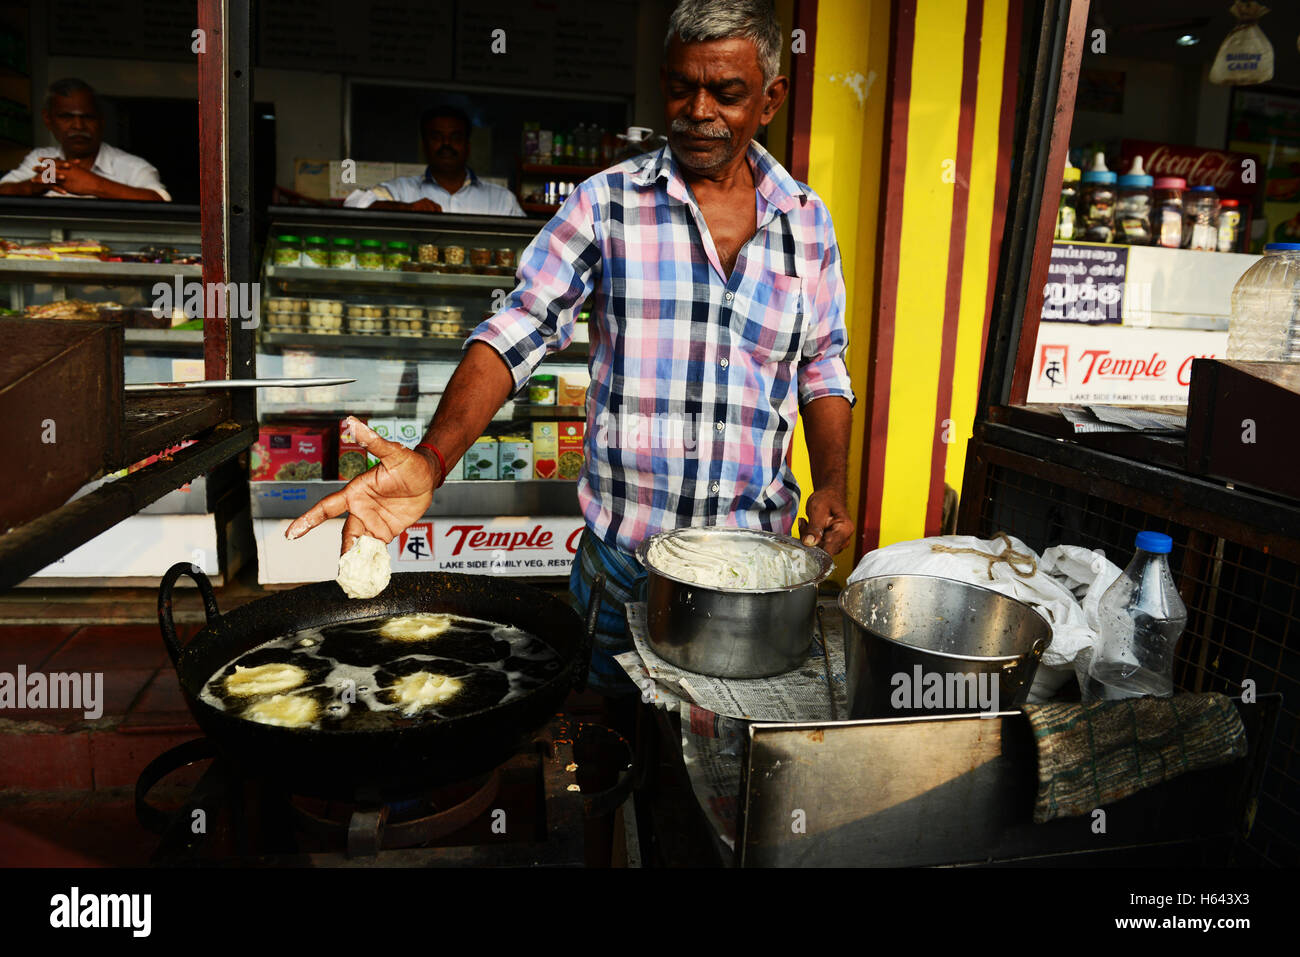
[[828, 525]]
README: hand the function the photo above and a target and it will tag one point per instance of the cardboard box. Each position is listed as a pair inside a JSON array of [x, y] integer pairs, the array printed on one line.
[[353, 459], [573, 388], [409, 432], [546, 449], [516, 457], [482, 460], [288, 453], [570, 449], [311, 177], [385, 429]]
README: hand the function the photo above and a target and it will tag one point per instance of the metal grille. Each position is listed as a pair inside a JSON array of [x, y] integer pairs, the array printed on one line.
[[1242, 619]]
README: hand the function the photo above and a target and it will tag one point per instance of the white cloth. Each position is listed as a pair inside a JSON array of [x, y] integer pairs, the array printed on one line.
[[1064, 573], [474, 195], [111, 163]]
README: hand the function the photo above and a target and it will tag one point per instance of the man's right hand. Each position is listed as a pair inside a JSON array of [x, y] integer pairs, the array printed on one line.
[[380, 502]]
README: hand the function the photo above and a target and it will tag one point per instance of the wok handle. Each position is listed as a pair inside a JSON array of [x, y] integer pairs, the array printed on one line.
[[589, 634], [165, 623]]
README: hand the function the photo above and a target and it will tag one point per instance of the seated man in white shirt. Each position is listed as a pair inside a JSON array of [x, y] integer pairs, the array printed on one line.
[[448, 185], [82, 165]]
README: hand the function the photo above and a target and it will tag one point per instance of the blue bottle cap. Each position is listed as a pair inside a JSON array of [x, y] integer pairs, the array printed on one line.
[[1156, 542], [1281, 247], [1203, 189], [1099, 176], [1136, 181]]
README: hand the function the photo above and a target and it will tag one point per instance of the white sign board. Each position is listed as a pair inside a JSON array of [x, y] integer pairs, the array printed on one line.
[[1117, 365], [513, 545]]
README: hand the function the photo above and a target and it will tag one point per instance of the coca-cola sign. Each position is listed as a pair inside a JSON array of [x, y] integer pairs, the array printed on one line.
[[1231, 174]]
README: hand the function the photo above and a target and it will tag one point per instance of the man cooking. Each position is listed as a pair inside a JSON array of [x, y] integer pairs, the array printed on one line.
[[448, 184], [82, 165], [717, 309]]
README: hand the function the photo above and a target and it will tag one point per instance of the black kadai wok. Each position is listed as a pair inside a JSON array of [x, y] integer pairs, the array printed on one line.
[[390, 760]]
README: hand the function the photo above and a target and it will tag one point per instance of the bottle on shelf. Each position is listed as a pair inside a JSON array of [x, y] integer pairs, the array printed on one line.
[[1201, 219], [1168, 202], [1066, 213], [1097, 202], [1229, 225], [1265, 313], [1133, 208], [1140, 619]]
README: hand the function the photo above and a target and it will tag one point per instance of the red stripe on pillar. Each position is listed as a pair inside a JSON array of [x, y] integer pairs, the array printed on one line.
[[879, 373], [798, 130], [956, 252]]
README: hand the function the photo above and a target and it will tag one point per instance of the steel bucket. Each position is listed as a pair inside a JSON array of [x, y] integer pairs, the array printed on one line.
[[902, 630]]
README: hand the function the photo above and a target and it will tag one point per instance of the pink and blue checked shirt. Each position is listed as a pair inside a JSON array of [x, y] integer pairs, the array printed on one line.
[[696, 377]]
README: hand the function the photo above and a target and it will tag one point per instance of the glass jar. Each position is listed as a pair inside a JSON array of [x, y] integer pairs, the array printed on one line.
[[427, 253], [396, 253], [316, 253], [542, 390], [480, 256], [1229, 225], [288, 251], [1201, 219], [371, 255], [1168, 204], [504, 257], [1133, 207], [1066, 211], [1097, 205], [343, 254]]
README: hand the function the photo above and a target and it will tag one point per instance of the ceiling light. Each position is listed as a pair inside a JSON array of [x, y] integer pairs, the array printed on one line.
[[1188, 40]]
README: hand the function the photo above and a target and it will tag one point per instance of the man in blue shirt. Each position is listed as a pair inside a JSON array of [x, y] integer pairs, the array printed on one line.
[[448, 184]]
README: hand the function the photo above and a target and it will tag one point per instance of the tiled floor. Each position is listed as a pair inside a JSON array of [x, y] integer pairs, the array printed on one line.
[[66, 780]]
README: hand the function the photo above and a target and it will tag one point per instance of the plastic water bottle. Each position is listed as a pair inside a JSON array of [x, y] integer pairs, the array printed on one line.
[[1141, 617], [1265, 323]]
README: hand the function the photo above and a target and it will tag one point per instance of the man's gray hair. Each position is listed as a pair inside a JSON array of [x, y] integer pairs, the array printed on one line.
[[696, 21], [67, 87]]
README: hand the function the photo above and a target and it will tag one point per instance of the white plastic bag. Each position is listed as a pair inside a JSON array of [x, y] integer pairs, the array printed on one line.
[[1246, 55]]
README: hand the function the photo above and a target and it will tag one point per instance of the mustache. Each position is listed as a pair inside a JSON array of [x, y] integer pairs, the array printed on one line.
[[702, 130]]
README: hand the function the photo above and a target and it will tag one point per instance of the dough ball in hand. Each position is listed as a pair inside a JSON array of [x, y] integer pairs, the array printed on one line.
[[365, 569]]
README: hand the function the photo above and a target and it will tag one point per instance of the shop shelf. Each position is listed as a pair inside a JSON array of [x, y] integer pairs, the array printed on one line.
[[400, 346], [164, 337], [93, 269], [387, 277], [551, 497], [548, 171]]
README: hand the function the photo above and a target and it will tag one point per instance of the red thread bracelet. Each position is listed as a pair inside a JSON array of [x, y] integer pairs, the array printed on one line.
[[442, 476]]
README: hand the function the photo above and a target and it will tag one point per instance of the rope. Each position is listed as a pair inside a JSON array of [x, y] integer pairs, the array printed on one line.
[[1008, 555]]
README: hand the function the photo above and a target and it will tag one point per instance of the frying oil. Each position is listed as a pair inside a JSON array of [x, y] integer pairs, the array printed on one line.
[[352, 668]]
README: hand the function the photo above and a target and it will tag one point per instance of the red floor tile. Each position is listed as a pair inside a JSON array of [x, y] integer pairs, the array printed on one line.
[[29, 837], [84, 830], [109, 647], [117, 759], [45, 761], [30, 645]]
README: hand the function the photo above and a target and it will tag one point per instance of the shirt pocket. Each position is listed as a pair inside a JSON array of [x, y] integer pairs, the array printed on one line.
[[770, 324]]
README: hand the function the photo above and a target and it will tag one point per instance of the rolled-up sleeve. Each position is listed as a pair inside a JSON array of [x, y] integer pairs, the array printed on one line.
[[556, 274], [822, 368]]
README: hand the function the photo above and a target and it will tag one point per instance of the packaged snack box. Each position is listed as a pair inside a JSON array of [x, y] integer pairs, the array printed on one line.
[[546, 450], [352, 457], [481, 461], [289, 453], [570, 449], [516, 457]]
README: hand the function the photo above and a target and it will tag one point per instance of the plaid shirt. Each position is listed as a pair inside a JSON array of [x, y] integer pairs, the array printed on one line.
[[697, 377]]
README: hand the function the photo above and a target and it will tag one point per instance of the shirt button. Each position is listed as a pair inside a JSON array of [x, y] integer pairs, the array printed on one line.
[[713, 487], [723, 363], [730, 296], [719, 426]]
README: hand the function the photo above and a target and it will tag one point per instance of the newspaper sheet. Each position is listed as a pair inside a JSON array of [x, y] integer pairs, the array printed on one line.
[[713, 712]]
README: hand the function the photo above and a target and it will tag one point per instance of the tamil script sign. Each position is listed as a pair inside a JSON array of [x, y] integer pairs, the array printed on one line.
[[1085, 283]]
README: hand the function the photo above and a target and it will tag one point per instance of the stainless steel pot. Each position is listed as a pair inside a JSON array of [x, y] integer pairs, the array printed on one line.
[[731, 632], [899, 630]]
